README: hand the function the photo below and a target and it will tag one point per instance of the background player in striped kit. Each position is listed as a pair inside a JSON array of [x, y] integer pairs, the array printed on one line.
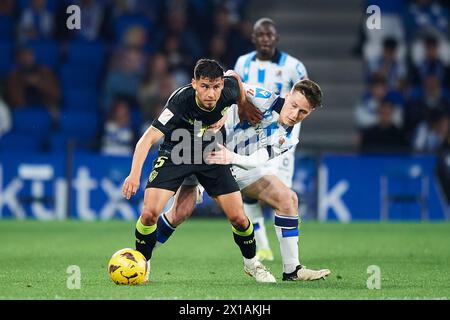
[[276, 71]]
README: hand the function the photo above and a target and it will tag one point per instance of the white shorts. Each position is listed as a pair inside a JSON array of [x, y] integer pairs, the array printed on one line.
[[244, 178], [282, 166]]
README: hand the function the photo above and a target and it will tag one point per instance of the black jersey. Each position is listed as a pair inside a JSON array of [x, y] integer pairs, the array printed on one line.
[[182, 112]]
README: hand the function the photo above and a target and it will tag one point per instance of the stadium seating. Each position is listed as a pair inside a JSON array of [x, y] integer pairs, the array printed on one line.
[[32, 120], [6, 28], [46, 53], [77, 77], [82, 53], [6, 57], [80, 99], [82, 125]]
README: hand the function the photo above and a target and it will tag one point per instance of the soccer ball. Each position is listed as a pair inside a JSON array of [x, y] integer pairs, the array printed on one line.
[[127, 266]]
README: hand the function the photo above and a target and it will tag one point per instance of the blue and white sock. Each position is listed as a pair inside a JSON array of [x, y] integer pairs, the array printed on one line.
[[164, 230], [286, 228]]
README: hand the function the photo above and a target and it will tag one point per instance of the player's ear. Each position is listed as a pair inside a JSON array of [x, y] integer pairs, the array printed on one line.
[[194, 84]]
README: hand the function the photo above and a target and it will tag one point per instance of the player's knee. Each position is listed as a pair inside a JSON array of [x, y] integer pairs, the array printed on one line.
[[294, 199], [149, 215], [287, 202], [240, 222]]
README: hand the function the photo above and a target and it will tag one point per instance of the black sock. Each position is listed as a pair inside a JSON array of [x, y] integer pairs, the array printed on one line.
[[245, 239], [145, 239]]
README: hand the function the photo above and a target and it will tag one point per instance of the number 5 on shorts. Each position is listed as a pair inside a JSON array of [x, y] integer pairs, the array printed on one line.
[[160, 162]]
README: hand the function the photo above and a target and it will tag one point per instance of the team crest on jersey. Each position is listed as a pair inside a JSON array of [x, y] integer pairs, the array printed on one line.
[[281, 141], [279, 73], [153, 175]]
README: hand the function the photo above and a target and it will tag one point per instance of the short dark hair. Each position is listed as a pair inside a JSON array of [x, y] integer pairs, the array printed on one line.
[[390, 43], [310, 90], [262, 21], [208, 68]]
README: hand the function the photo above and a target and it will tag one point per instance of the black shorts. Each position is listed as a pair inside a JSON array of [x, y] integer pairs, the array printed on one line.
[[216, 179]]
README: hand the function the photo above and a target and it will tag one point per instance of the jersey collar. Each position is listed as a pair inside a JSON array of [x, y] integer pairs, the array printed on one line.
[[278, 105], [275, 58]]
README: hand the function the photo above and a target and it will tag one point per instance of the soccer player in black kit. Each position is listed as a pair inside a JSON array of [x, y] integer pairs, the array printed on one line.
[[192, 109]]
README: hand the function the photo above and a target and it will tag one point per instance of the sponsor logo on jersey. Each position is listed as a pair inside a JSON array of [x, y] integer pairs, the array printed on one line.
[[165, 116], [261, 93]]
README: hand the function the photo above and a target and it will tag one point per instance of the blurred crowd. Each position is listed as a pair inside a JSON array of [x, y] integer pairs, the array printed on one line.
[[100, 87], [406, 105]]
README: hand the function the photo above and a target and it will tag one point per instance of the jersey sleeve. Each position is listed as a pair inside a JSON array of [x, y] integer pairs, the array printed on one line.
[[299, 72], [169, 118], [261, 98], [239, 66]]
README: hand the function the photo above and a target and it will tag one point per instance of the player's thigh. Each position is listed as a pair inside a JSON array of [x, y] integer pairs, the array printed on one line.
[[271, 190]]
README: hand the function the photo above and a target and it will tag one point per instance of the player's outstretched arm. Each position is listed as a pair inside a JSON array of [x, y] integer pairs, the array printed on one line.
[[131, 183], [224, 156]]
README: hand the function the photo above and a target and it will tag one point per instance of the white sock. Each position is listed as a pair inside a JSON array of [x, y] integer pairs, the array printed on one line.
[[286, 228], [250, 262], [255, 214]]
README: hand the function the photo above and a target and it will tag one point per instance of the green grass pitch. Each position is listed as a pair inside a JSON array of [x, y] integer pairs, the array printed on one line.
[[201, 261]]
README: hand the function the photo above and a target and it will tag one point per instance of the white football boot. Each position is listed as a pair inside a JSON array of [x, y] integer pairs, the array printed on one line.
[[301, 273], [260, 273]]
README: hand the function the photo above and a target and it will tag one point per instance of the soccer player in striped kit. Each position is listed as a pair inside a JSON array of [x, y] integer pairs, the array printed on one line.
[[276, 71]]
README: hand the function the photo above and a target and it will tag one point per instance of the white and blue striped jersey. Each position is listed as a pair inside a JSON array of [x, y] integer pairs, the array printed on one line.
[[277, 75], [245, 139]]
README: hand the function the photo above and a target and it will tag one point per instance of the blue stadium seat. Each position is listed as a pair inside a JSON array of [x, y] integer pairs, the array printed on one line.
[[59, 142], [6, 57], [32, 120], [17, 141], [76, 77], [137, 120], [89, 54], [46, 52], [50, 5], [6, 28], [80, 125], [80, 99]]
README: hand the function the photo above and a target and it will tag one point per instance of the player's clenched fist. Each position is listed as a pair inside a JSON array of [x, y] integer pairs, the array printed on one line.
[[130, 187]]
